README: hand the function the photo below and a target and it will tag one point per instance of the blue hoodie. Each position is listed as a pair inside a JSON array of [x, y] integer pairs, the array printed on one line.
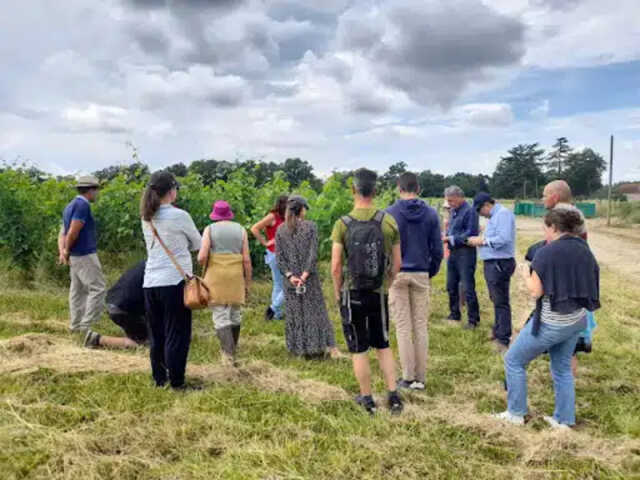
[[420, 236]]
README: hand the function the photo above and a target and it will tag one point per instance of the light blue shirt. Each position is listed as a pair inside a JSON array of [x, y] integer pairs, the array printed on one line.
[[499, 234], [180, 235]]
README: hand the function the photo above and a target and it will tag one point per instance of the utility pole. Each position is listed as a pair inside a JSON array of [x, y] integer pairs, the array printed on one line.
[[610, 183]]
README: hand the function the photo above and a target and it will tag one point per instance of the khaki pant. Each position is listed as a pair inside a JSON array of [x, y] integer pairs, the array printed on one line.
[[87, 291], [409, 309], [226, 316]]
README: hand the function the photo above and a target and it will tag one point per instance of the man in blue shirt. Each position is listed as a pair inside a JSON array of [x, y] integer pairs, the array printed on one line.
[[497, 248], [461, 265], [77, 247]]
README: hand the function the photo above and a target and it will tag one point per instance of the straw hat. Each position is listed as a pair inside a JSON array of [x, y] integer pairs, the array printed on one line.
[[87, 181]]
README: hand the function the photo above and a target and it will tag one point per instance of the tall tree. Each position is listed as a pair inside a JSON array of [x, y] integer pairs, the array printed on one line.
[[471, 184], [178, 169], [389, 179], [431, 184], [297, 171], [584, 172], [556, 160], [519, 171]]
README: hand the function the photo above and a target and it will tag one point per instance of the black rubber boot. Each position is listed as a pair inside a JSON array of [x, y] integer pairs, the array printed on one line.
[[227, 343], [236, 334]]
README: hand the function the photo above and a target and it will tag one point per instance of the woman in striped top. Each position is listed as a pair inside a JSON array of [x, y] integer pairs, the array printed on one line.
[[564, 280]]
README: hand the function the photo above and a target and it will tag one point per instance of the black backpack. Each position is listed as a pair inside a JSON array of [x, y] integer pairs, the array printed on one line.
[[364, 245]]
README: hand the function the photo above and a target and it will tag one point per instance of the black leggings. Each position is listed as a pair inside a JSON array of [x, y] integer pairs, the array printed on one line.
[[170, 333]]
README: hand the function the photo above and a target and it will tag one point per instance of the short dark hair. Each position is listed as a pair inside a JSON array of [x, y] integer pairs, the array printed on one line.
[[565, 220], [364, 182], [408, 182], [83, 190]]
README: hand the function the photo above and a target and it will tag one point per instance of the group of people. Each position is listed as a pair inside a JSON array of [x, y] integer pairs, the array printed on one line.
[[382, 262]]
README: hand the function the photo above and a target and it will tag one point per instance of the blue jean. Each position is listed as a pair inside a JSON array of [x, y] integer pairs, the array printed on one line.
[[559, 341], [461, 267], [277, 293]]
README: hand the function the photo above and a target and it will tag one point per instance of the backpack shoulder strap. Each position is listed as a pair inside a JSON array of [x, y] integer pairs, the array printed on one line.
[[346, 219], [379, 216]]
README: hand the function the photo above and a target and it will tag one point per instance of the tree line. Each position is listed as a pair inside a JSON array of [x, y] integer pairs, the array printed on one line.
[[522, 173]]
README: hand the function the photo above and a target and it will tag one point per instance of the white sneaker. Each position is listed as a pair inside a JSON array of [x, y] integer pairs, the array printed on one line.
[[553, 423], [417, 386], [509, 417]]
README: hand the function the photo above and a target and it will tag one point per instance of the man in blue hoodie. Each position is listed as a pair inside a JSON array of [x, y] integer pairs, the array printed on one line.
[[422, 252]]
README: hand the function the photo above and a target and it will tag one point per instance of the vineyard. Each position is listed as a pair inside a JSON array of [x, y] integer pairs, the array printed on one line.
[[30, 212]]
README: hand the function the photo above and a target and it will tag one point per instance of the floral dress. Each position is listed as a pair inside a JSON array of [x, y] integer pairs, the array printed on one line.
[[308, 330]]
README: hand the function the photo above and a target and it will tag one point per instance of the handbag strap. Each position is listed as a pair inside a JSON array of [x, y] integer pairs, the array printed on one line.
[[168, 252]]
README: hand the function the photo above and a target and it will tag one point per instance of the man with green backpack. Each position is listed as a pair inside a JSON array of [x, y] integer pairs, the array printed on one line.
[[369, 241]]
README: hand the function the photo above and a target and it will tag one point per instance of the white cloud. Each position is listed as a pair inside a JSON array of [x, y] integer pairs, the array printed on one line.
[[100, 118]]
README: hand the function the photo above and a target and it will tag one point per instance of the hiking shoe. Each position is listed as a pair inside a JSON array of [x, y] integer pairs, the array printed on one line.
[[402, 383], [269, 314], [395, 403], [417, 385], [187, 387], [367, 402], [507, 416], [470, 326], [553, 423], [92, 339]]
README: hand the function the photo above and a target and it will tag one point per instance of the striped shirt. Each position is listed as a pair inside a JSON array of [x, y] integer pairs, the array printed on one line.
[[560, 319]]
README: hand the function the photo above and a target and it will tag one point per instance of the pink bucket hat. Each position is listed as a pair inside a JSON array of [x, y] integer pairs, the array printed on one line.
[[221, 211]]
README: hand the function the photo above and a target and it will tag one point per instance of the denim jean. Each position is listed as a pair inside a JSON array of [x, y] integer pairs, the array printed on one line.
[[497, 274], [559, 341], [277, 293], [461, 267]]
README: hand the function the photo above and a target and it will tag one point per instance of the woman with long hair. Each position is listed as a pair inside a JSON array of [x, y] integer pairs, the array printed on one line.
[[308, 330], [269, 224], [564, 279], [168, 319]]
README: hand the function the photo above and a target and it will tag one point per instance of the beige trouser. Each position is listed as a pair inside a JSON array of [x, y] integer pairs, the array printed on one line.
[[409, 308], [87, 291], [226, 316]]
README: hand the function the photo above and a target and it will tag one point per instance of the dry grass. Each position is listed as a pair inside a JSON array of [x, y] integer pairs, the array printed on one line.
[[71, 413]]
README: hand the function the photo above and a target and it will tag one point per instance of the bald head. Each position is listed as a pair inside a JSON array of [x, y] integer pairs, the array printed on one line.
[[556, 192]]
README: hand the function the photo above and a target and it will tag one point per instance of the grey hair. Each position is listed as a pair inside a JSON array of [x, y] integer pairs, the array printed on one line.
[[453, 191]]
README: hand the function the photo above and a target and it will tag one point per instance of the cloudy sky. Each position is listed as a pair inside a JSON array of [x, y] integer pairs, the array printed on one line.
[[442, 85]]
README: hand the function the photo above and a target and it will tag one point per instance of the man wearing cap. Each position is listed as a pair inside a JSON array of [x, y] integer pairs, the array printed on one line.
[[77, 247], [497, 248]]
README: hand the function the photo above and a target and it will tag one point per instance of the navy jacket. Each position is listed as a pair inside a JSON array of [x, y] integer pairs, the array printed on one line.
[[463, 223], [420, 237]]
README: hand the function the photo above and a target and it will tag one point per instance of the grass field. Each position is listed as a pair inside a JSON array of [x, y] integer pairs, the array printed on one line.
[[73, 413]]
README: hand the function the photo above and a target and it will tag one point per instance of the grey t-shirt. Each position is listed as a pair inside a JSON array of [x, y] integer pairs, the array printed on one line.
[[180, 235]]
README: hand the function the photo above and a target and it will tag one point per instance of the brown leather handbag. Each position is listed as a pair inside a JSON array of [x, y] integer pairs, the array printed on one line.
[[196, 291]]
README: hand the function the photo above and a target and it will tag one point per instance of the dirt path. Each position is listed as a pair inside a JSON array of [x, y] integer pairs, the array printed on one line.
[[615, 248]]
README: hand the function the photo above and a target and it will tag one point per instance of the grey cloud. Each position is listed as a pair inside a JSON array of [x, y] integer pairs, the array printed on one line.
[[556, 4], [361, 101], [435, 50], [151, 40]]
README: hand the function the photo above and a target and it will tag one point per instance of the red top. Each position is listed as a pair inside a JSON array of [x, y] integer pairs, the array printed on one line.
[[271, 231]]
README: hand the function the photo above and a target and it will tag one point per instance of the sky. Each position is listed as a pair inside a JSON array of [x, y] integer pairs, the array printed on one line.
[[446, 86]]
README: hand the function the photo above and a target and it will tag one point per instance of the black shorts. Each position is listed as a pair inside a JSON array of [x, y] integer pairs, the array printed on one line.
[[365, 321], [134, 326]]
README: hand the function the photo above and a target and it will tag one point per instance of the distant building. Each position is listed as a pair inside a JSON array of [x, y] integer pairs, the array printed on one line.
[[631, 191]]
